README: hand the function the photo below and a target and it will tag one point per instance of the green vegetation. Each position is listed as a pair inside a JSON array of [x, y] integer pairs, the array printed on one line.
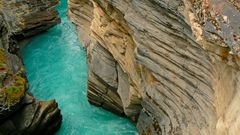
[[15, 89]]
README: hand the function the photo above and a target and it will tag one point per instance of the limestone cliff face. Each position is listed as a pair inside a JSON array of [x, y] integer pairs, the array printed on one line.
[[174, 62], [20, 112]]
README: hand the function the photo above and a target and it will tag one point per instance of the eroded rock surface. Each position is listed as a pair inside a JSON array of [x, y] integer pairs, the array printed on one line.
[[20, 112], [174, 62], [29, 17]]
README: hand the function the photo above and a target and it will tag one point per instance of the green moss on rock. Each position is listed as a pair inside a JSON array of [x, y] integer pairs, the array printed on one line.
[[16, 91]]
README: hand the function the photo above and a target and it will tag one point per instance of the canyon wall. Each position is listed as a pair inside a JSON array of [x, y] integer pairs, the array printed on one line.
[[20, 112], [172, 66]]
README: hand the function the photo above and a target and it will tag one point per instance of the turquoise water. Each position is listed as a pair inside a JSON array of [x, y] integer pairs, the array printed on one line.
[[56, 68]]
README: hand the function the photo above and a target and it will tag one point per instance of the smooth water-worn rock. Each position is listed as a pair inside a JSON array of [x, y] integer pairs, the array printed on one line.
[[177, 62], [20, 112], [104, 80]]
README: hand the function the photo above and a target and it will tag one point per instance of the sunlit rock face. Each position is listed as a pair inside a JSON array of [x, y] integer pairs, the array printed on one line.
[[113, 75], [20, 112], [219, 23], [176, 63]]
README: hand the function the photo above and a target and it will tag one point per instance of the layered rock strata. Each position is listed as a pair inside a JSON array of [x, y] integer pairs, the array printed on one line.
[[175, 64], [29, 17], [20, 112]]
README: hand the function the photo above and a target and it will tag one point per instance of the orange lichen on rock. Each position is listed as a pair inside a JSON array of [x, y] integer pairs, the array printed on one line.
[[3, 66]]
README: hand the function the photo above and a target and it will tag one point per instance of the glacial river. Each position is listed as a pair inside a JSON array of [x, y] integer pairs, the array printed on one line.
[[56, 68]]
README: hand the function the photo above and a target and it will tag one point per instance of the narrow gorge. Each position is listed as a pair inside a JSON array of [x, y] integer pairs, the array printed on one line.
[[120, 67], [172, 66], [56, 68]]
